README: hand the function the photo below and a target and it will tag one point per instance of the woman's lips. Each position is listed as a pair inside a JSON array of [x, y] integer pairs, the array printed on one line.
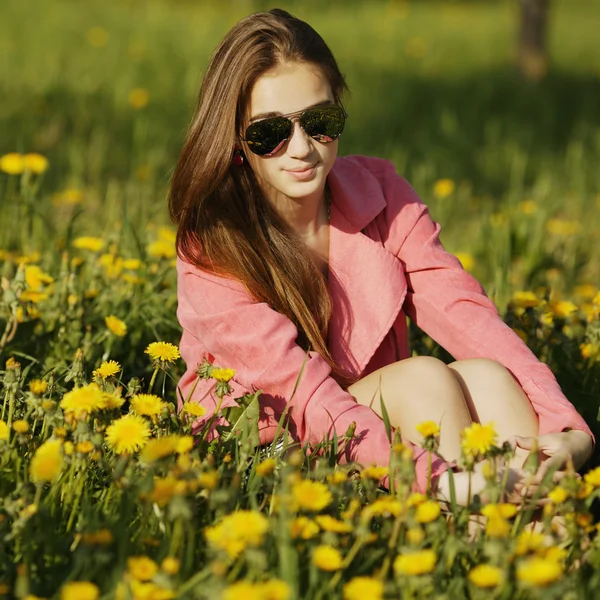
[[302, 175]]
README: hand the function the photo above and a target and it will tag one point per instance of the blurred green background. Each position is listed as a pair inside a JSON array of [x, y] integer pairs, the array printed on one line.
[[106, 89]]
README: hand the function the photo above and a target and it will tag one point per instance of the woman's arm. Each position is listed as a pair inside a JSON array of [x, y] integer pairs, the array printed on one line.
[[261, 345], [452, 307]]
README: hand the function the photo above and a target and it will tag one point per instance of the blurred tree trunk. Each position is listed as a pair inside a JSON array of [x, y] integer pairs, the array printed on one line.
[[532, 56]]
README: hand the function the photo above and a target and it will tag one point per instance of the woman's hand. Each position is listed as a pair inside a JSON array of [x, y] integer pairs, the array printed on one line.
[[557, 449], [516, 480]]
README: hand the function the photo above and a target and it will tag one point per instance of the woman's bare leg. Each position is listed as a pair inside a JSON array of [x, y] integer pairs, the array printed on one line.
[[492, 394], [414, 390]]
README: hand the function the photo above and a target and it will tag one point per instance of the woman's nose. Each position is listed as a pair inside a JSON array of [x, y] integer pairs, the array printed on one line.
[[300, 144]]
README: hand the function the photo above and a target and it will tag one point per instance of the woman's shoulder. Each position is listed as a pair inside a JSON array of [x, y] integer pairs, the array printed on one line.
[[193, 278], [380, 168], [372, 177]]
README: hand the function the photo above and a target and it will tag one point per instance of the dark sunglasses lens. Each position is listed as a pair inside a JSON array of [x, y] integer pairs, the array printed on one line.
[[264, 136], [323, 123]]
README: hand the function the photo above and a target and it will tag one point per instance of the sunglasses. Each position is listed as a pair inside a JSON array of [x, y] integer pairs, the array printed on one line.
[[322, 123]]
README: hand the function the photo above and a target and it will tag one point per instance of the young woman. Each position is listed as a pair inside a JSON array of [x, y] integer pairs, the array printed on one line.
[[297, 263]]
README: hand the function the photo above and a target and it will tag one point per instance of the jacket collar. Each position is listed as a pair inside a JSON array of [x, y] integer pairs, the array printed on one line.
[[366, 282], [356, 192]]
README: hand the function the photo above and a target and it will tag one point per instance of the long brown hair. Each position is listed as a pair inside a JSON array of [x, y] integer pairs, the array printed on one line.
[[225, 224]]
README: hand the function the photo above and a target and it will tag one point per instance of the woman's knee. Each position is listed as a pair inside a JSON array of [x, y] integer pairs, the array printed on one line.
[[486, 369], [493, 394]]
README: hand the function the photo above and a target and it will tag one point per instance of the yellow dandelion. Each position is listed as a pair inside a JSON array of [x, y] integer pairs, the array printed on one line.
[[502, 511], [12, 163], [562, 309], [84, 447], [86, 242], [382, 507], [415, 535], [275, 589], [170, 565], [159, 448], [486, 576], [36, 279], [20, 426], [311, 495], [38, 387], [68, 197], [562, 227], [4, 432], [161, 249], [528, 207], [243, 589], [110, 401], [107, 369], [147, 405], [194, 409], [497, 527], [525, 299], [184, 444], [82, 401], [589, 350], [101, 537], [138, 98], [164, 489], [428, 429], [415, 499], [31, 296], [478, 439], [162, 352], [128, 434], [593, 477], [361, 588], [558, 495], [443, 188], [141, 568], [329, 523], [537, 571], [466, 260], [97, 36], [79, 590], [224, 375], [418, 562], [112, 265], [116, 326], [47, 462], [266, 467], [209, 480], [132, 264], [304, 528], [374, 472], [529, 541], [36, 163], [427, 512], [327, 558], [238, 531]]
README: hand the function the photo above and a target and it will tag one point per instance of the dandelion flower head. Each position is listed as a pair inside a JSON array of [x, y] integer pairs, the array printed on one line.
[[162, 352], [128, 434]]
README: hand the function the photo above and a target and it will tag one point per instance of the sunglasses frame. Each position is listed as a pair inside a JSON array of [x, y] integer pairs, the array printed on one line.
[[296, 115]]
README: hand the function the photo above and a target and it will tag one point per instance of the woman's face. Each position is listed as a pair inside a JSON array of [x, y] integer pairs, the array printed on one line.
[[288, 89]]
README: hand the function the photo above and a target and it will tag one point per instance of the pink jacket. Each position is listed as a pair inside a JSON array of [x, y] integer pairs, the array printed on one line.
[[385, 262]]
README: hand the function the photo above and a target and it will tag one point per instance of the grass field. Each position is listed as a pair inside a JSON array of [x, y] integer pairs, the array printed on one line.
[[104, 91]]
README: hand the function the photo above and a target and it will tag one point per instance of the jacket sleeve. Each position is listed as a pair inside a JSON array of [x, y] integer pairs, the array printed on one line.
[[452, 307], [260, 344]]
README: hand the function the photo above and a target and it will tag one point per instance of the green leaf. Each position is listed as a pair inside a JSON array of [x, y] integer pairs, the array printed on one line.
[[245, 414], [385, 416]]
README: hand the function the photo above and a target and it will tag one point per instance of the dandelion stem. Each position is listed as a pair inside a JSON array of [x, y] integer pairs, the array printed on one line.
[[153, 379], [192, 582], [391, 547]]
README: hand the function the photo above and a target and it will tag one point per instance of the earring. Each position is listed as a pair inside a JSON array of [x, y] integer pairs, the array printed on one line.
[[238, 156]]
